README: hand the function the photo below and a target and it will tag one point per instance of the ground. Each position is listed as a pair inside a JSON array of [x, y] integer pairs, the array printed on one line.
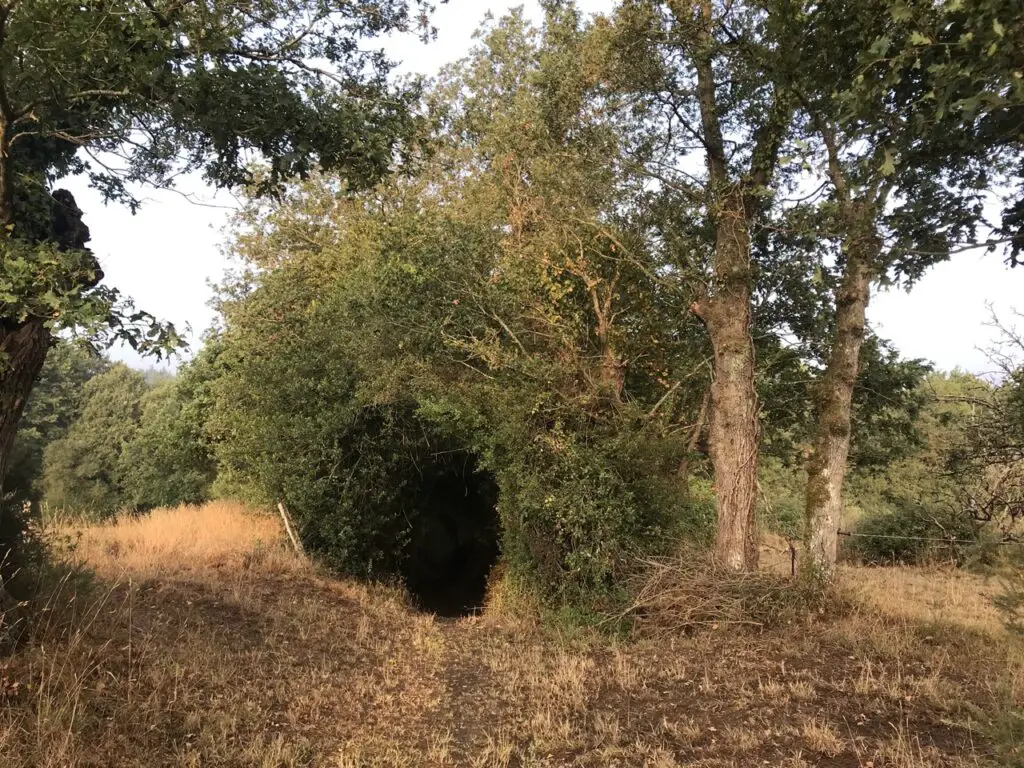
[[202, 641]]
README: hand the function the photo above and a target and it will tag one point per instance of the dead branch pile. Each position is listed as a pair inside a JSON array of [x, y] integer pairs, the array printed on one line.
[[686, 592]]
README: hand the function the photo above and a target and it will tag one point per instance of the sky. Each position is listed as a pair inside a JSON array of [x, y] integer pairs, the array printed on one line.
[[168, 255]]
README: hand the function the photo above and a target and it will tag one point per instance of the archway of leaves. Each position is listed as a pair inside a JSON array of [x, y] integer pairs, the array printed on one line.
[[453, 537]]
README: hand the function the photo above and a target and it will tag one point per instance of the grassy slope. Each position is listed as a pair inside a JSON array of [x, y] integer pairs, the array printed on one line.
[[203, 642]]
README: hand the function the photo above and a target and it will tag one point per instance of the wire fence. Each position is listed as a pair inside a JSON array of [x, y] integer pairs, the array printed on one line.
[[944, 540], [794, 553]]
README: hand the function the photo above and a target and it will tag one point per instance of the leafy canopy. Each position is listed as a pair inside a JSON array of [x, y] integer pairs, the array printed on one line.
[[132, 92]]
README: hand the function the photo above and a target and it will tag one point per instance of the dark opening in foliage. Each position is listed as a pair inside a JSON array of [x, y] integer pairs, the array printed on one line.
[[454, 541]]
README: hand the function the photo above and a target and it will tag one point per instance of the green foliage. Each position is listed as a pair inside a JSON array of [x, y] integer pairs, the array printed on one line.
[[55, 404], [909, 533], [172, 86], [167, 462], [916, 495], [487, 313], [887, 402], [781, 502], [524, 301], [82, 471]]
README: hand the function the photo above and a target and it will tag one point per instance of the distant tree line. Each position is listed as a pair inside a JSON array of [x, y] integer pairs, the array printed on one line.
[[99, 438]]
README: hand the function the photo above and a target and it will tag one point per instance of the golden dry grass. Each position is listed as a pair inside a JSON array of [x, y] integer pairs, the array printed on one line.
[[930, 595], [222, 534], [206, 642]]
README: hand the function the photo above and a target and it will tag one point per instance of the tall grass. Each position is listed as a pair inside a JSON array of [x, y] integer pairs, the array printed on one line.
[[217, 535]]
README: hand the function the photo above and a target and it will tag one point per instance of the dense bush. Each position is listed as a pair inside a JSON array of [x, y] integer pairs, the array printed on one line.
[[469, 317], [577, 503], [347, 411], [912, 535]]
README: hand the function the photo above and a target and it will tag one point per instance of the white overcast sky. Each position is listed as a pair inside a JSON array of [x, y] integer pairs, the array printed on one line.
[[166, 255]]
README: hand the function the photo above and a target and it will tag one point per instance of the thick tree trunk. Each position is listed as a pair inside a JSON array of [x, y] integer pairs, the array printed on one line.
[[22, 353], [733, 428], [733, 433], [831, 446]]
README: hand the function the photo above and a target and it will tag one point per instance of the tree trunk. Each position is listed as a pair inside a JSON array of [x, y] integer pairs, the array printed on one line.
[[826, 469], [22, 353], [733, 428], [24, 343], [733, 433]]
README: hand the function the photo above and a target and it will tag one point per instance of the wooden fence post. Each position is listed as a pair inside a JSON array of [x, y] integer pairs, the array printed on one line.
[[288, 528]]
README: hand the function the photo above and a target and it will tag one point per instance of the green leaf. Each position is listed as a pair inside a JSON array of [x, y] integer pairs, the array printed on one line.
[[916, 38], [888, 163], [998, 28], [881, 46]]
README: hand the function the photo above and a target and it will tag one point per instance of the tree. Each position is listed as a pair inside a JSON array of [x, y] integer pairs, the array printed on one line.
[[709, 79], [82, 472], [138, 91], [169, 460], [55, 404], [967, 55], [907, 178]]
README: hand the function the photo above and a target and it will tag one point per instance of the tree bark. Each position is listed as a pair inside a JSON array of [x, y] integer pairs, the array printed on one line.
[[826, 469], [22, 354], [733, 432]]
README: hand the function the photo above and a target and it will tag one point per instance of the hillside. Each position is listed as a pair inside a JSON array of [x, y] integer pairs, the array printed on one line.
[[212, 645]]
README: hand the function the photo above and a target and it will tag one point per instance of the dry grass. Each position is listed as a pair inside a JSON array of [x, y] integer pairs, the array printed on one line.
[[205, 642], [930, 595], [222, 534]]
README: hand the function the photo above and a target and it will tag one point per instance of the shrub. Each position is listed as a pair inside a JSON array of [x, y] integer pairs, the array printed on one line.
[[911, 535], [577, 505]]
